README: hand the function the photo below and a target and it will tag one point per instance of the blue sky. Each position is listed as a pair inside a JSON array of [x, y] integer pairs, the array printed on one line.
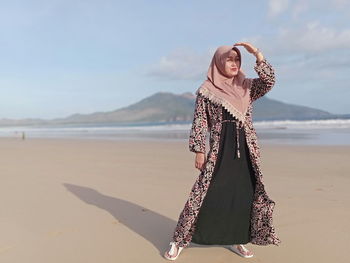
[[63, 57]]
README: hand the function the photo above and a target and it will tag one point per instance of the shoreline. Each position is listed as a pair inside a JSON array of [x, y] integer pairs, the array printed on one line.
[[153, 139]]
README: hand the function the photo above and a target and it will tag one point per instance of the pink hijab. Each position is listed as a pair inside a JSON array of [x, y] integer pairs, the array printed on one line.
[[232, 93]]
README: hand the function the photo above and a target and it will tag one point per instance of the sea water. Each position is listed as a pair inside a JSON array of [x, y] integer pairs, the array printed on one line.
[[320, 132]]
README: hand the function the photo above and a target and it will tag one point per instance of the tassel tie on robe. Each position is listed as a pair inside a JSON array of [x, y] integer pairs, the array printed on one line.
[[238, 126]]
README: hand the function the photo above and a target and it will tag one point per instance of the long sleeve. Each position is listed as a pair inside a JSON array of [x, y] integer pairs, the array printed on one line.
[[265, 82], [198, 133]]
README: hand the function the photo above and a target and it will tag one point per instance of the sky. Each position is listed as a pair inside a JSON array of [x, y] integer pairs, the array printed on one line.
[[61, 57]]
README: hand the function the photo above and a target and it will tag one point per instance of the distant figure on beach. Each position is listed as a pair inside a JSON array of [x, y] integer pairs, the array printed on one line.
[[228, 204], [23, 136]]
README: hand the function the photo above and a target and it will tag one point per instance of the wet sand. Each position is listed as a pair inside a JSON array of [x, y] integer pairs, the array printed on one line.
[[94, 201]]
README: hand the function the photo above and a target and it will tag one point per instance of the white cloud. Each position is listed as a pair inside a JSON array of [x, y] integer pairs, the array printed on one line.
[[317, 38], [182, 64], [340, 3], [310, 39], [298, 8], [276, 7]]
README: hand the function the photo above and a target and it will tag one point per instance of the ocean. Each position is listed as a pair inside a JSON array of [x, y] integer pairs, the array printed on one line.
[[316, 132]]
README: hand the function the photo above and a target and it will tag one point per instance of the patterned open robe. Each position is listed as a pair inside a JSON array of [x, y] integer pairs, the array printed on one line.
[[207, 117]]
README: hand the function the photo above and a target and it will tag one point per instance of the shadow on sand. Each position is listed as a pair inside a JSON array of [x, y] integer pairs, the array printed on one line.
[[151, 225]]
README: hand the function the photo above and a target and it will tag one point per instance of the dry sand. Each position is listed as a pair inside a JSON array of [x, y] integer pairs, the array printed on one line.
[[111, 201]]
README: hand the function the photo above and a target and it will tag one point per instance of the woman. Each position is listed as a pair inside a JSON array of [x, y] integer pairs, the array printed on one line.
[[228, 204]]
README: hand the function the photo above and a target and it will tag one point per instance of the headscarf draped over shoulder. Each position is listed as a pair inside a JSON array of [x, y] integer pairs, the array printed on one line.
[[233, 93]]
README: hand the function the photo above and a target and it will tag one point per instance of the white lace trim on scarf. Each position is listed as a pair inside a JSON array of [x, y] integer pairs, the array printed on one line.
[[229, 107]]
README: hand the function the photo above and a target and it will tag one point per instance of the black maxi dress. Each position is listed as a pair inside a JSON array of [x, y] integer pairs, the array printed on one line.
[[224, 217]]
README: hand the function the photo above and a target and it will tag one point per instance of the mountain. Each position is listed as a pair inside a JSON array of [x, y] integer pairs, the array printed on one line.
[[160, 107], [169, 107], [270, 109]]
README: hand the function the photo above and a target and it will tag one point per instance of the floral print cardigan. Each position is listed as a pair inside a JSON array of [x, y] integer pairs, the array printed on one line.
[[208, 117]]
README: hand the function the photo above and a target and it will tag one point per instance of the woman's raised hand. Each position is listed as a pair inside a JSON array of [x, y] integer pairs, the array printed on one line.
[[249, 47]]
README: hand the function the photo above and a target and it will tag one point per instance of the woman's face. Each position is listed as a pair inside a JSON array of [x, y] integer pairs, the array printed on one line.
[[232, 64]]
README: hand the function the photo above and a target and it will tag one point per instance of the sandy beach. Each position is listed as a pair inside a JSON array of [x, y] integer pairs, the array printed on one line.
[[70, 200]]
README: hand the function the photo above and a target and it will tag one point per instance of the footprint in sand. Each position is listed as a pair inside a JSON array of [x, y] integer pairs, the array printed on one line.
[[319, 189], [61, 231], [5, 248]]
